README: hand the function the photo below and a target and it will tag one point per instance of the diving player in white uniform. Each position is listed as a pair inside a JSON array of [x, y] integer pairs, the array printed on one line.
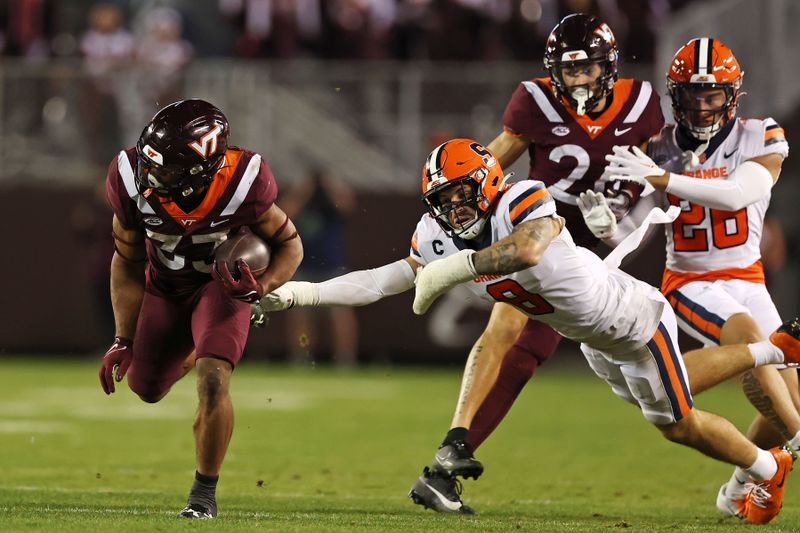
[[507, 244]]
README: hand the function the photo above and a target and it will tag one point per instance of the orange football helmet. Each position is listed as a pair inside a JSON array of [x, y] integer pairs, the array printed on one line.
[[469, 166], [700, 66]]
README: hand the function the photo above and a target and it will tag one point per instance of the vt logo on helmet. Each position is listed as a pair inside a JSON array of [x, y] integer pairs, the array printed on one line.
[[181, 149], [704, 82], [581, 56], [461, 182]]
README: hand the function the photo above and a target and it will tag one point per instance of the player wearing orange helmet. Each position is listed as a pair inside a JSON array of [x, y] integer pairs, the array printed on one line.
[[507, 244], [568, 122], [720, 170]]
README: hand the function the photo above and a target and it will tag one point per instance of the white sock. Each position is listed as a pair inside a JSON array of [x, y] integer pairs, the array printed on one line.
[[764, 466], [765, 353], [735, 486], [795, 442]]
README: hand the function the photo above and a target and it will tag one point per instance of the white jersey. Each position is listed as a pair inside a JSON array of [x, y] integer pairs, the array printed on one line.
[[717, 244], [571, 289]]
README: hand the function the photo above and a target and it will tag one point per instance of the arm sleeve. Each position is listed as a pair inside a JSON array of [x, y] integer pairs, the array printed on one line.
[[747, 184], [364, 287]]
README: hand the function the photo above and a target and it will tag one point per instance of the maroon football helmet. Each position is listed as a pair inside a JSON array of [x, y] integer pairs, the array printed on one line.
[[181, 149], [578, 41]]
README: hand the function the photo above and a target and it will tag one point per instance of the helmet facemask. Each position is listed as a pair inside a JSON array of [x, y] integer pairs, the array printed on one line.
[[686, 106], [459, 206], [173, 182], [584, 97]]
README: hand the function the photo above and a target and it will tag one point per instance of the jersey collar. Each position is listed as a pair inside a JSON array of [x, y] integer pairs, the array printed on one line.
[[687, 142]]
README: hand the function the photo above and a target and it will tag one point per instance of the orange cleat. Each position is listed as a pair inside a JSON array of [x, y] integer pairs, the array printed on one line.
[[787, 338], [764, 501]]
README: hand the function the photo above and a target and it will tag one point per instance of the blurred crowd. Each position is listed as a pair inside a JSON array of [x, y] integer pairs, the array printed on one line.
[[124, 30]]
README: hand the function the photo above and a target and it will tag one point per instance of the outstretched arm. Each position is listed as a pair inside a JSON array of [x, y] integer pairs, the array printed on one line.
[[361, 287], [520, 250]]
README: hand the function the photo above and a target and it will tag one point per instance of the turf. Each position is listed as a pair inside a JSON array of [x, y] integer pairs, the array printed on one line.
[[323, 450]]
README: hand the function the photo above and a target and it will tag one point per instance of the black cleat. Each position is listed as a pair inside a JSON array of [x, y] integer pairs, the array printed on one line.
[[456, 459], [194, 510], [440, 493]]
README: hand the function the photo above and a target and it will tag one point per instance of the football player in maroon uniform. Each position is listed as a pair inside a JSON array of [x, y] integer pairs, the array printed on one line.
[[567, 122], [177, 195]]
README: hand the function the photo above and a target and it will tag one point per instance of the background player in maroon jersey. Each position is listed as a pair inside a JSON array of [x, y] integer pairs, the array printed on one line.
[[176, 196], [568, 122]]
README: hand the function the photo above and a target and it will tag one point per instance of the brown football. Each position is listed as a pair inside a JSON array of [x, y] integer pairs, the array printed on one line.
[[247, 246]]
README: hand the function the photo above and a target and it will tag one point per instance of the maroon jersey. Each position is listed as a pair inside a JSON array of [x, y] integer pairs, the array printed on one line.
[[568, 151], [180, 245]]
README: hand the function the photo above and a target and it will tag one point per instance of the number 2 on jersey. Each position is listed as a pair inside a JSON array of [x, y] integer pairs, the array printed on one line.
[[689, 239], [510, 292]]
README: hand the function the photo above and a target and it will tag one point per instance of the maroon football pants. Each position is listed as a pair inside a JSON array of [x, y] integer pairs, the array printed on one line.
[[535, 344], [208, 320]]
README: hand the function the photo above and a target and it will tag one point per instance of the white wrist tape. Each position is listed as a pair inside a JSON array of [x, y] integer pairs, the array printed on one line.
[[438, 277], [364, 287], [748, 183]]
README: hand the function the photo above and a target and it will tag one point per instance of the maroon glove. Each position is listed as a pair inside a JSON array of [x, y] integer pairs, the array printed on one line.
[[246, 288], [118, 358]]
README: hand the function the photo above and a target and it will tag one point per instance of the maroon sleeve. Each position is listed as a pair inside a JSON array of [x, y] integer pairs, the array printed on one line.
[[518, 116], [118, 198], [652, 117], [264, 190]]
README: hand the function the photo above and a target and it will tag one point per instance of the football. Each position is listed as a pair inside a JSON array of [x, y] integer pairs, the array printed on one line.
[[247, 246], [629, 189]]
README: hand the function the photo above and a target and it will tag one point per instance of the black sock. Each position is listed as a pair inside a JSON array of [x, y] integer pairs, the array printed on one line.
[[454, 435], [204, 492]]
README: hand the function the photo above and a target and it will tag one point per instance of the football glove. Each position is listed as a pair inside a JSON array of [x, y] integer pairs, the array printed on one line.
[[597, 214], [438, 277], [246, 288], [116, 361], [635, 166]]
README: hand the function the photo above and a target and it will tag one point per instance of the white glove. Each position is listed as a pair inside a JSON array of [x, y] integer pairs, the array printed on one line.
[[632, 166], [440, 276], [598, 216], [291, 294]]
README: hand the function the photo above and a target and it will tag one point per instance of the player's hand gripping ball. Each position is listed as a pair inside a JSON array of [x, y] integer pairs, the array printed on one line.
[[238, 262]]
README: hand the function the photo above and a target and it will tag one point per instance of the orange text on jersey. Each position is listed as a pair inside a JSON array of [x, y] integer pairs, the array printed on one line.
[[486, 277], [708, 173]]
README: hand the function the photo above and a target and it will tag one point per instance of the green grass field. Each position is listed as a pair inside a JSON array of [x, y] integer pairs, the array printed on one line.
[[337, 451]]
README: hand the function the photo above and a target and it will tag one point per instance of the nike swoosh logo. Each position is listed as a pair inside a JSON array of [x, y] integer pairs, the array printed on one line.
[[783, 479], [453, 506], [217, 223], [730, 154], [619, 132]]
